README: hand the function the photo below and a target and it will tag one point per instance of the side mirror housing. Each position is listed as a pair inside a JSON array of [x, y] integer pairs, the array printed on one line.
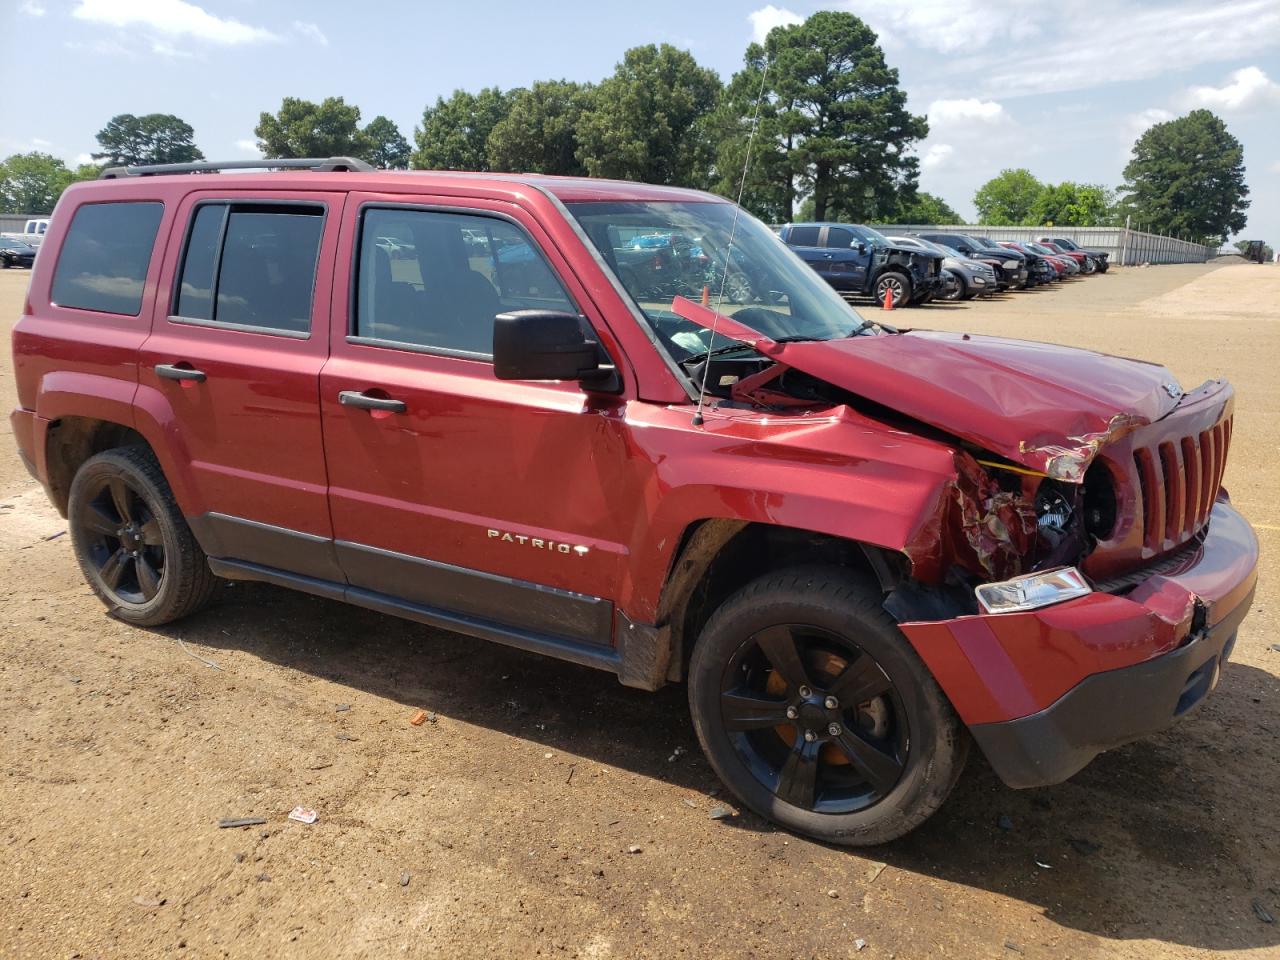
[[548, 345], [860, 246]]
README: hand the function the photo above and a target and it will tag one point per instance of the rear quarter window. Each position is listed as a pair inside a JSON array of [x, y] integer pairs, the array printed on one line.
[[103, 262]]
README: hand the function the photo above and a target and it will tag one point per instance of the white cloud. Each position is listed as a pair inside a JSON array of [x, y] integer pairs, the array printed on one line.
[[1139, 123], [83, 158], [32, 8], [944, 112], [1246, 89], [171, 18], [766, 18], [948, 26], [1133, 42], [936, 156], [311, 31], [249, 146], [162, 49], [1275, 167]]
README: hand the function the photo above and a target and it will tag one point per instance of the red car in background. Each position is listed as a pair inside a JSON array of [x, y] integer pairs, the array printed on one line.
[[1083, 260], [1058, 263]]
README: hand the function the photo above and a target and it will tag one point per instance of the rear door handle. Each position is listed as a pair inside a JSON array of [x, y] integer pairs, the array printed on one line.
[[353, 398], [169, 371]]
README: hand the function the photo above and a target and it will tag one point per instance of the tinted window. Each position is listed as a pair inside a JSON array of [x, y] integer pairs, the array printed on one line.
[[839, 237], [803, 236], [438, 279], [251, 266], [104, 258]]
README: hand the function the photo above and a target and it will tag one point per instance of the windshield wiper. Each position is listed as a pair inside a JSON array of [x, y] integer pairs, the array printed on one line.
[[735, 347]]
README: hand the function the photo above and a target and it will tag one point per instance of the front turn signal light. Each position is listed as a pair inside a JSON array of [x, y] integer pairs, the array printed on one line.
[[1032, 590]]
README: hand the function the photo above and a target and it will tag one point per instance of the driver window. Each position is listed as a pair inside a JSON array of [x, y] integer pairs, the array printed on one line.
[[840, 238]]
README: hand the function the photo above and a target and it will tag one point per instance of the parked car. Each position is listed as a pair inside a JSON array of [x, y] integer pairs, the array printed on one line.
[[1100, 257], [1071, 266], [1012, 264], [1082, 260], [15, 253], [32, 233], [861, 547], [857, 259], [973, 277], [1046, 269]]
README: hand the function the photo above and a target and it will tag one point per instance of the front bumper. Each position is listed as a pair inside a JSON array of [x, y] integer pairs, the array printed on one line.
[[1045, 691]]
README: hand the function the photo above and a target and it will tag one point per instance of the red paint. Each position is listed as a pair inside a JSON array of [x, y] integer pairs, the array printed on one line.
[[625, 475]]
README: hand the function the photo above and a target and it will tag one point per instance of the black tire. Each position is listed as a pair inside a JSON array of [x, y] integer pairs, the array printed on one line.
[[133, 545], [900, 283], [852, 796], [958, 292]]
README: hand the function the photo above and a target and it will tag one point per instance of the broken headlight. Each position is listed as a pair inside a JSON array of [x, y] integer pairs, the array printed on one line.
[[1032, 591]]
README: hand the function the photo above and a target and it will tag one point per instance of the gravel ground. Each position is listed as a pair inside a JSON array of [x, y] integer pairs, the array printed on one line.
[[505, 825]]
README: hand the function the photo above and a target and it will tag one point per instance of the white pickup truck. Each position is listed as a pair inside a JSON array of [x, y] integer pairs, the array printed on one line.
[[32, 232]]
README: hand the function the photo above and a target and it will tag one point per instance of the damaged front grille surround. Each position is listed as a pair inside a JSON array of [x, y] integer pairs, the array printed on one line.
[[1178, 481]]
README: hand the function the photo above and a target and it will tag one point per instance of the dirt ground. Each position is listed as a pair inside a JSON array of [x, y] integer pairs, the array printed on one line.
[[502, 828]]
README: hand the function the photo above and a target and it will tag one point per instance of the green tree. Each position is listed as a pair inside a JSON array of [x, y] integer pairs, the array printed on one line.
[[127, 140], [1007, 200], [538, 134], [301, 128], [454, 134], [650, 119], [769, 188], [923, 208], [384, 146], [1070, 204], [32, 182], [836, 122], [1186, 176]]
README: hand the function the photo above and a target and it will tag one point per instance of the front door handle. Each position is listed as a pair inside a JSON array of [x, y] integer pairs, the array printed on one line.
[[170, 371], [353, 398]]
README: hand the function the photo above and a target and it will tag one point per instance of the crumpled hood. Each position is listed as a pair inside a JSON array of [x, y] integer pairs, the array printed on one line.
[[1044, 406]]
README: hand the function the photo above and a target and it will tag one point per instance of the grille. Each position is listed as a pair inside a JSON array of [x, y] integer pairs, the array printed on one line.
[[1179, 481]]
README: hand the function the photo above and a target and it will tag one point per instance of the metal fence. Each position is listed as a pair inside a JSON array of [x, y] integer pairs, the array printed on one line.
[[14, 222], [1123, 246]]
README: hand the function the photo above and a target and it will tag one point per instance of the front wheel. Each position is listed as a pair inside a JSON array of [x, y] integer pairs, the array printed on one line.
[[132, 543], [815, 711], [896, 282]]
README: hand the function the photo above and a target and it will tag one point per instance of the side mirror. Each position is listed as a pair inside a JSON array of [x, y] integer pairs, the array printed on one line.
[[547, 345], [861, 247]]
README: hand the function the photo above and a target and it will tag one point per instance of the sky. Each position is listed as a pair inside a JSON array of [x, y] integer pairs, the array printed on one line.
[[1021, 84]]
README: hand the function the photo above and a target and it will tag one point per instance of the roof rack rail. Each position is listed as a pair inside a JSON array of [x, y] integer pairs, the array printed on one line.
[[319, 164]]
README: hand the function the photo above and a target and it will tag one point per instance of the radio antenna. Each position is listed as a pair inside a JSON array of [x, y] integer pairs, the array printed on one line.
[[728, 254]]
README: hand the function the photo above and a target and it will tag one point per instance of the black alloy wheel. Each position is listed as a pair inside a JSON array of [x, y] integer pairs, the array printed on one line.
[[132, 542], [123, 540], [814, 718]]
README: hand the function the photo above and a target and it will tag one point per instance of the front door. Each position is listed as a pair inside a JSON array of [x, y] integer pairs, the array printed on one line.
[[231, 373], [449, 489]]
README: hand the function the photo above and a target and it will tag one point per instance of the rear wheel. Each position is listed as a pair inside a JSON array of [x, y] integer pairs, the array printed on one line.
[[899, 283], [132, 543], [813, 708]]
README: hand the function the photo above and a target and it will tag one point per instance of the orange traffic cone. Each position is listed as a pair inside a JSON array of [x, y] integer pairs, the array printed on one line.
[[888, 298]]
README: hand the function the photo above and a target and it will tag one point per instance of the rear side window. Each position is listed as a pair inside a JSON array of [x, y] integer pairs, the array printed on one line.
[[251, 266], [436, 280], [103, 262], [803, 236]]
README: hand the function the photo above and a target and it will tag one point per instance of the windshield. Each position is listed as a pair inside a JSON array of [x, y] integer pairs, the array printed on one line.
[[1066, 244], [659, 251]]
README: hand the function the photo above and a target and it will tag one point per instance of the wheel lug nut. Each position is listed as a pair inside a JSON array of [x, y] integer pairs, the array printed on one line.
[[831, 703], [834, 730], [792, 713], [810, 736], [805, 691]]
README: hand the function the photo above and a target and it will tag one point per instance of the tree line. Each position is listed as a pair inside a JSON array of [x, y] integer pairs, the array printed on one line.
[[834, 140]]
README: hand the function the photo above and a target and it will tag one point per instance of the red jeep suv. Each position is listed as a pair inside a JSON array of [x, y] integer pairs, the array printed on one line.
[[472, 401]]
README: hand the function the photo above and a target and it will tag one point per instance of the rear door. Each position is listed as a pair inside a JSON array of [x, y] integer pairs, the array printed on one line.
[[231, 372], [452, 491], [806, 241]]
